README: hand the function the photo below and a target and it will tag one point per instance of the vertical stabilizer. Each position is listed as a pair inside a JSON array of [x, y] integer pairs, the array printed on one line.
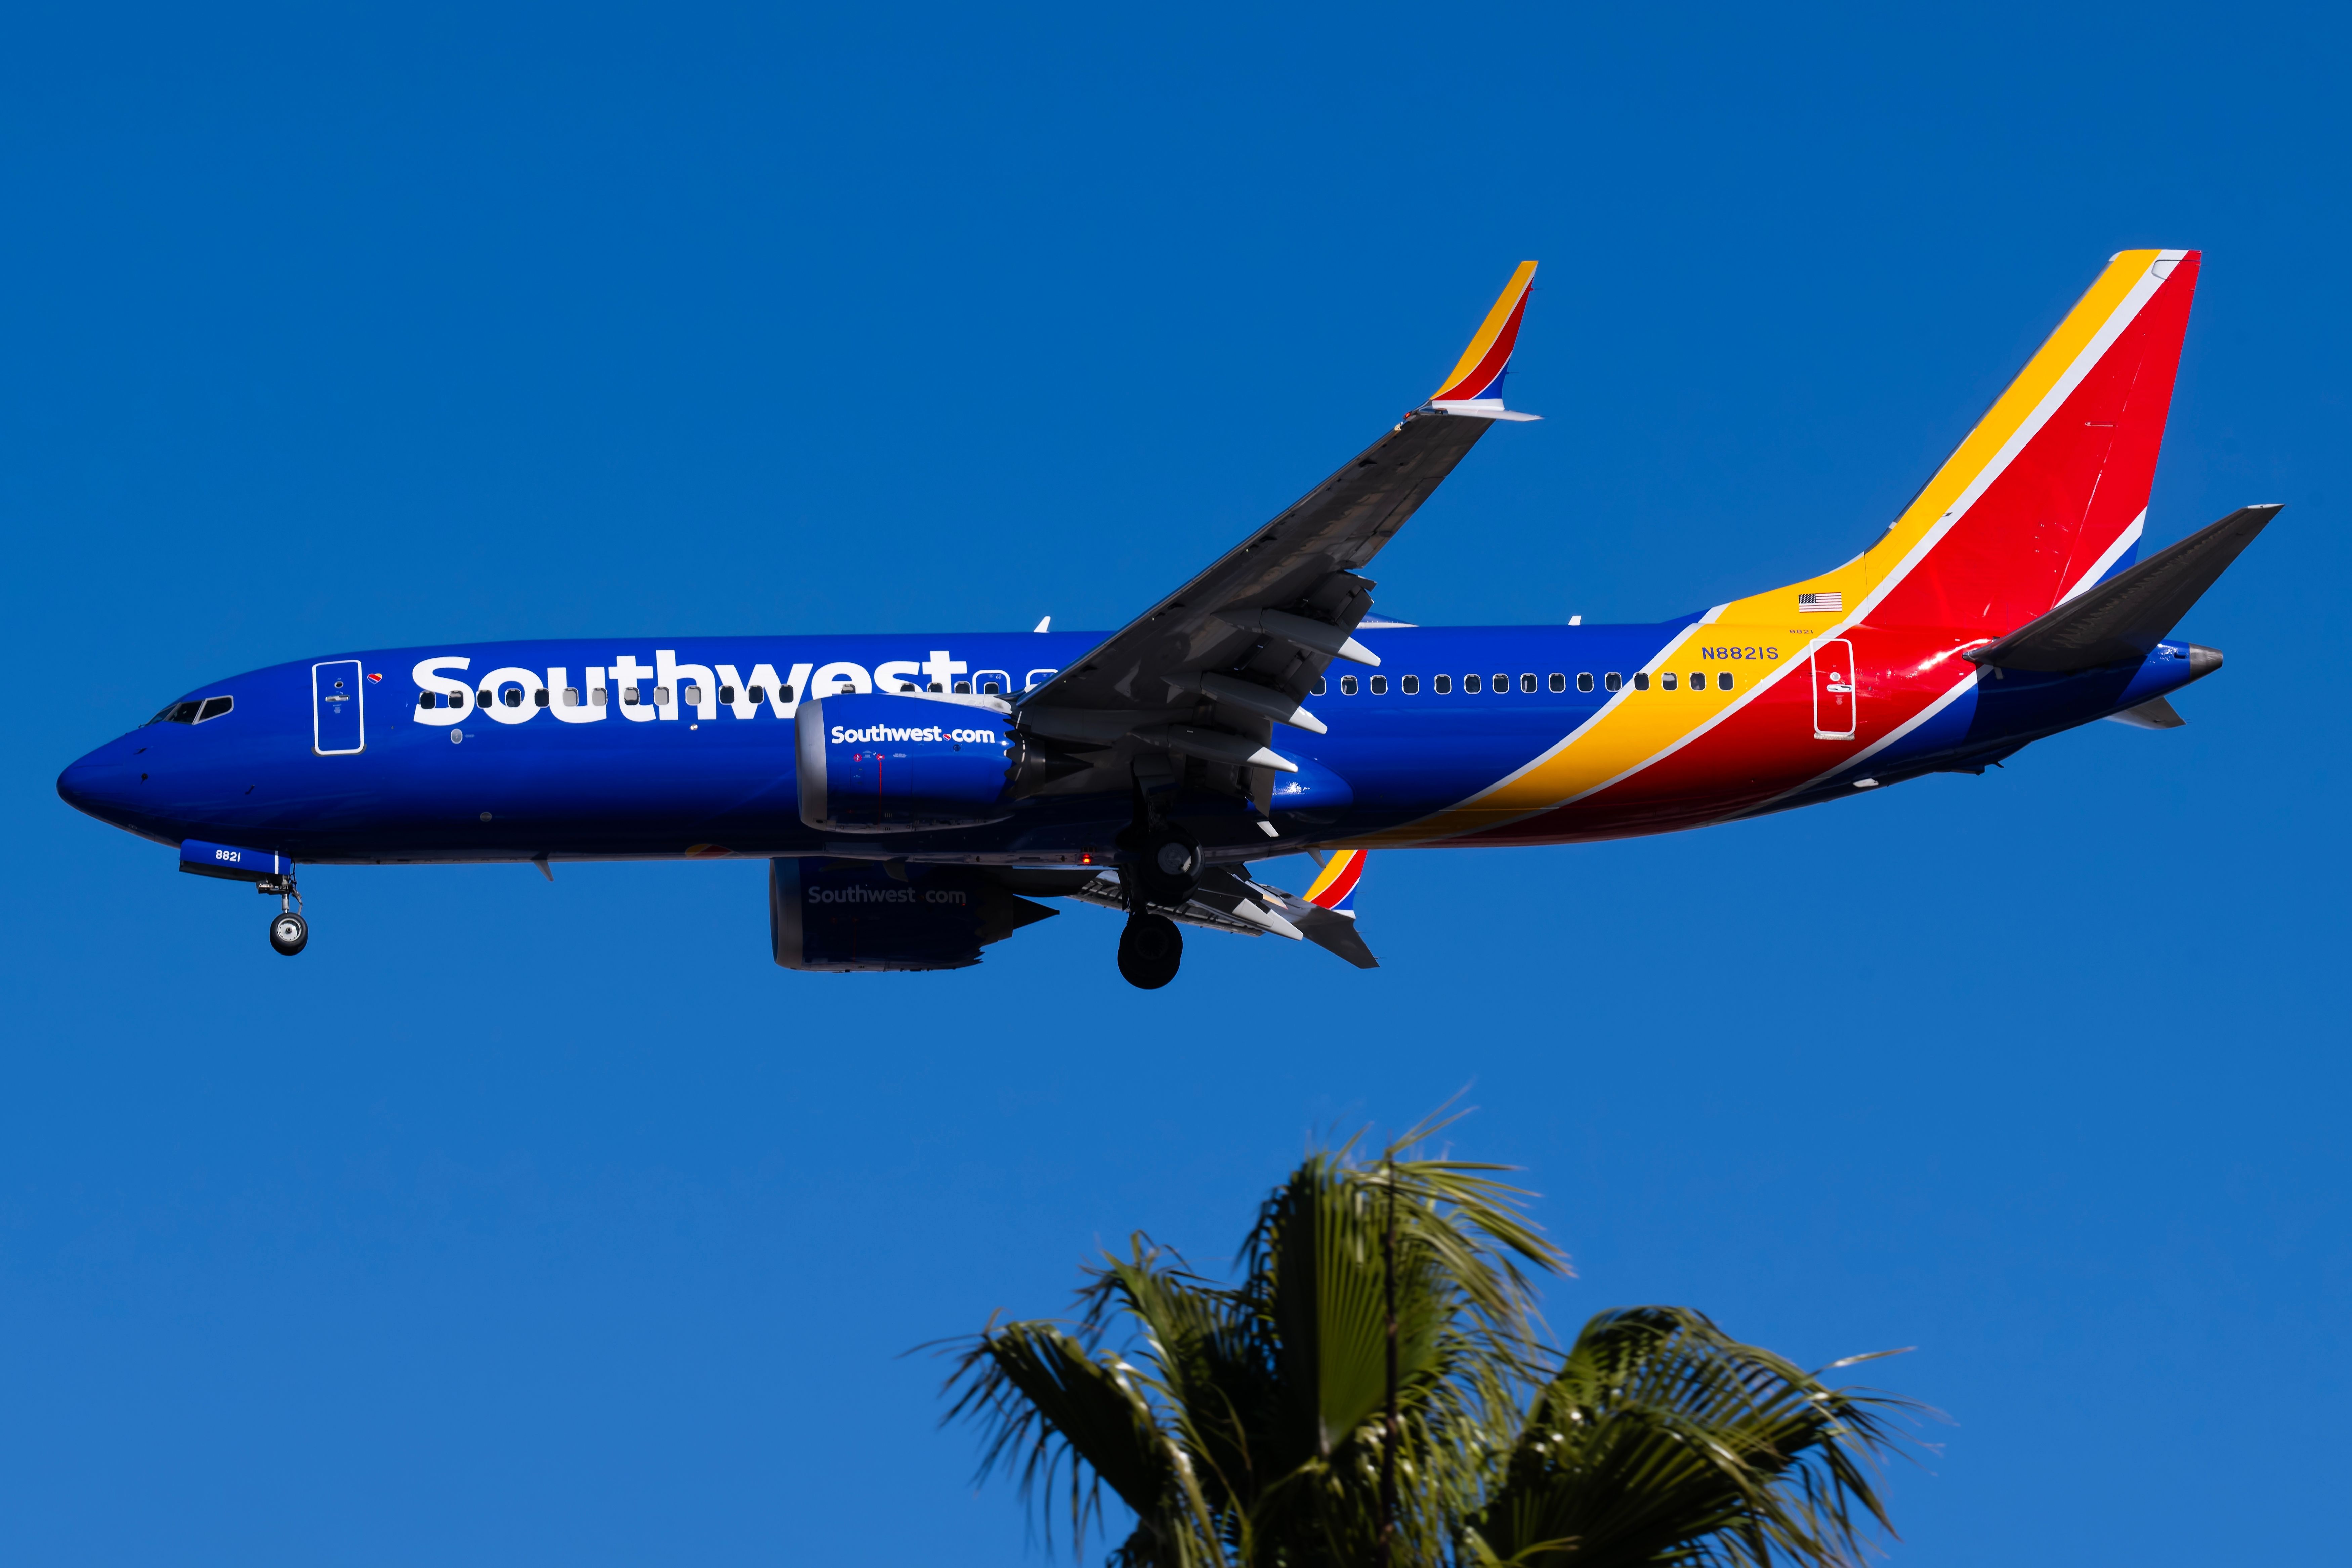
[[2048, 494]]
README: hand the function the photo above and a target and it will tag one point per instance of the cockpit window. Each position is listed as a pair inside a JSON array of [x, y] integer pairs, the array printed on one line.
[[181, 713], [214, 707]]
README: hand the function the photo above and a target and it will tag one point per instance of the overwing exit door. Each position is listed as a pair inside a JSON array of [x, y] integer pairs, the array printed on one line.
[[338, 716], [1833, 691]]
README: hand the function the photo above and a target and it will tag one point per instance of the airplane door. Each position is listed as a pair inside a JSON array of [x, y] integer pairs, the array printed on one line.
[[337, 724], [1833, 691]]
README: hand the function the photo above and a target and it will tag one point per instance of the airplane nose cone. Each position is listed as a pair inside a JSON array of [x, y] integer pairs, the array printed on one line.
[[101, 786]]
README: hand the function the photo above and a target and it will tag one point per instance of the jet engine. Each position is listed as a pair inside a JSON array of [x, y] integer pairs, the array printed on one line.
[[875, 764], [848, 915]]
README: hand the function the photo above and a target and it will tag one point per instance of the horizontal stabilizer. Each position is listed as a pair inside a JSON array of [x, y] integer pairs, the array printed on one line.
[[1337, 934], [2155, 713], [2126, 616]]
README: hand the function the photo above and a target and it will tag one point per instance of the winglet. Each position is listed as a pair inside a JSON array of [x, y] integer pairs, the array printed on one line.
[[1335, 889], [1476, 386]]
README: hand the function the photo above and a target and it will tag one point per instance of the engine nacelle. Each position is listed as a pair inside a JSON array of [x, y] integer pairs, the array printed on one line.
[[897, 764], [843, 916]]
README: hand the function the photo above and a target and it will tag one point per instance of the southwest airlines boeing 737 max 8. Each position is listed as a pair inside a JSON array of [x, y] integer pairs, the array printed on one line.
[[913, 795]]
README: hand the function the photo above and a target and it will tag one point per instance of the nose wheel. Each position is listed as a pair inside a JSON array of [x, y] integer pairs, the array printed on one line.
[[1149, 950], [290, 934]]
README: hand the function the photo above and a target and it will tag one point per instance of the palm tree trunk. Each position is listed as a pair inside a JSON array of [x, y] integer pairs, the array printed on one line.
[[1389, 1421]]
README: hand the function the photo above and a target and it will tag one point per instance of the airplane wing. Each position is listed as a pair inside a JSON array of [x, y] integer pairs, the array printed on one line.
[[1210, 669]]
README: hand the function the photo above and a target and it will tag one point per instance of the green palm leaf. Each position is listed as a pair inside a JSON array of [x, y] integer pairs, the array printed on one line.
[[1662, 1439], [1250, 1423]]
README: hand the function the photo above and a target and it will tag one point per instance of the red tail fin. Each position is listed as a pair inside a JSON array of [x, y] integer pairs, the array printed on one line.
[[2049, 491]]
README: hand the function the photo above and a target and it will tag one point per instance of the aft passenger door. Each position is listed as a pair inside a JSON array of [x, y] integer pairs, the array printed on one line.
[[338, 722], [1833, 691]]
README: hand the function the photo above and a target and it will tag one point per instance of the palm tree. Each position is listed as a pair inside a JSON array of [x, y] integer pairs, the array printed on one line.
[[1375, 1390]]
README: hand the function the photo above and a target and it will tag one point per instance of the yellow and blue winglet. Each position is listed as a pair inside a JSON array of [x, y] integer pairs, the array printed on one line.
[[1476, 385]]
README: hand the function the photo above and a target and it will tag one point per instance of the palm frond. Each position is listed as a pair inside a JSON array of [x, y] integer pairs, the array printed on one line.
[[1066, 1421], [1252, 1423], [1662, 1439]]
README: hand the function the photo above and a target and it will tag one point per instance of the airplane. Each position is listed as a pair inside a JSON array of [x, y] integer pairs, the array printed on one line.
[[916, 796]]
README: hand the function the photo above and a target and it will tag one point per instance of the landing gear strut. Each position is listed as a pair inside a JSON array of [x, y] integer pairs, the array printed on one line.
[[1149, 950], [1169, 869], [290, 934], [1160, 865]]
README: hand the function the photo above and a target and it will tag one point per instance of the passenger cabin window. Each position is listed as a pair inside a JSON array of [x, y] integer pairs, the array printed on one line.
[[1443, 684], [1641, 681], [661, 696], [1380, 685], [597, 696], [1528, 684], [726, 694], [1723, 681], [1665, 680], [755, 694], [538, 697], [1559, 681], [485, 697], [572, 696], [1411, 685], [629, 695], [1502, 684], [694, 697], [783, 692], [963, 688], [1698, 680], [1613, 680], [1347, 685], [1584, 680], [1470, 683], [1322, 687], [424, 700], [457, 700]]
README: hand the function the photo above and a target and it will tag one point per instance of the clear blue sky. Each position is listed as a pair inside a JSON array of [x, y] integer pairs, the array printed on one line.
[[518, 1223]]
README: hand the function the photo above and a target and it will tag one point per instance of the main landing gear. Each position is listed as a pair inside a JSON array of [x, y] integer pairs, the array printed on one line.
[[290, 934], [1149, 950], [1162, 866]]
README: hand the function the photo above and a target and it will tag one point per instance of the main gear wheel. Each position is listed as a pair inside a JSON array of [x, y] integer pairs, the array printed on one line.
[[1149, 950]]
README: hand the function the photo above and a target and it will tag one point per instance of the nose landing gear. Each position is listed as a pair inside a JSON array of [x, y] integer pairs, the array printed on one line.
[[290, 934]]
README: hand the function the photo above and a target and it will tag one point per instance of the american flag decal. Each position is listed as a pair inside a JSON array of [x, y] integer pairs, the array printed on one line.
[[1818, 603]]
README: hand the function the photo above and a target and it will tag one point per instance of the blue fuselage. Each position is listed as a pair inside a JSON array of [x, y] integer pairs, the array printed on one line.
[[386, 770]]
